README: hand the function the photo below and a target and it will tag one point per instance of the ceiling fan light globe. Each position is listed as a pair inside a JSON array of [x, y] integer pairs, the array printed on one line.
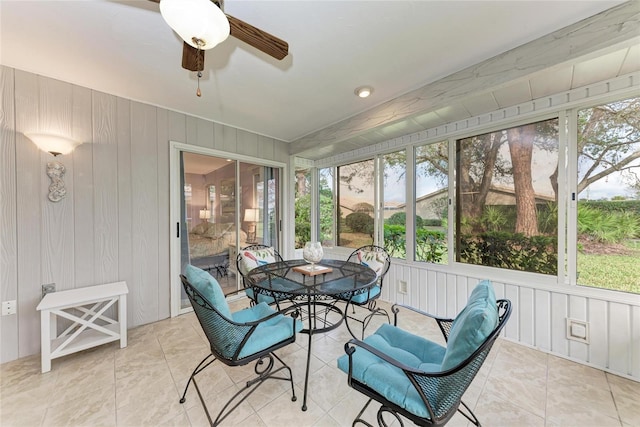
[[198, 20]]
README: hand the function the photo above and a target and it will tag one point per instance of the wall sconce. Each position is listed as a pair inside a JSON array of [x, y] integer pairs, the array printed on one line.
[[205, 214], [251, 216], [55, 145]]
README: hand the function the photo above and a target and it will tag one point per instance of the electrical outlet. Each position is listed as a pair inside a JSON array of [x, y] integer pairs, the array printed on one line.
[[402, 286], [48, 288], [8, 307], [578, 330]]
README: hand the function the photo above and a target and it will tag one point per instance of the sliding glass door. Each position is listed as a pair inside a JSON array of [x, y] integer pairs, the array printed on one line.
[[221, 206]]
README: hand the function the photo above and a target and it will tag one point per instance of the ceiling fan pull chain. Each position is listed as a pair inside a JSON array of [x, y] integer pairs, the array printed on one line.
[[199, 43]]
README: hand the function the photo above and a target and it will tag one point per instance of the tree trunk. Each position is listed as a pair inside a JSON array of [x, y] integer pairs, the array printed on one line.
[[521, 150], [474, 194]]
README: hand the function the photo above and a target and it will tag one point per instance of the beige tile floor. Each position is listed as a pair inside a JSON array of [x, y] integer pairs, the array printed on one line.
[[141, 385]]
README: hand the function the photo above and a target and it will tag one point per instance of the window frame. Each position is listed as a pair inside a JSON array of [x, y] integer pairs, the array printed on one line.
[[567, 191]]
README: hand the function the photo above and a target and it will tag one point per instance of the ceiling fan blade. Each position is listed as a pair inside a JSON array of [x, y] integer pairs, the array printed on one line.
[[261, 40], [190, 60]]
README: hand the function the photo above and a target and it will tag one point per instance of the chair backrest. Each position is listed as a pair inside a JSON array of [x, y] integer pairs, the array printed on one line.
[[253, 256], [225, 337], [374, 257], [445, 391]]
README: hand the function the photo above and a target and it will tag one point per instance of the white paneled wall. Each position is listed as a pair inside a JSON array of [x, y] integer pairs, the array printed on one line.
[[114, 222], [539, 315]]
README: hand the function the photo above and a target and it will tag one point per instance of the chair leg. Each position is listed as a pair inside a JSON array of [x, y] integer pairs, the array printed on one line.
[[471, 416], [198, 369], [263, 370], [360, 420]]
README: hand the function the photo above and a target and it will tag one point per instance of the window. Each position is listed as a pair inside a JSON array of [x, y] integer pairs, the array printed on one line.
[[431, 207], [394, 193], [326, 206], [507, 202], [302, 194], [608, 187], [356, 204]]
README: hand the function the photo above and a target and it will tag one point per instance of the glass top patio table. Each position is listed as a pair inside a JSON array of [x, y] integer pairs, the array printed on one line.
[[313, 291], [294, 279]]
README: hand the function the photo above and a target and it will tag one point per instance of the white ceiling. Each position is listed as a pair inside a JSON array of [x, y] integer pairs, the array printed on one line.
[[126, 49]]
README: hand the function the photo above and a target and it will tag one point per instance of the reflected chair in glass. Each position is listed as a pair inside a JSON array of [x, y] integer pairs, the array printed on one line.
[[418, 379], [251, 257], [237, 339], [376, 258]]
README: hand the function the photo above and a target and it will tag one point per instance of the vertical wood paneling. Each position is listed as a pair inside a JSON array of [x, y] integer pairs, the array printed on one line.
[[229, 139], [635, 342], [247, 143], [578, 310], [265, 147], [30, 197], [83, 190], [218, 136], [144, 189], [177, 126], [8, 220], [559, 324], [526, 316], [164, 229], [512, 329], [105, 196], [125, 209], [450, 293], [204, 129], [619, 337], [58, 238], [542, 318], [192, 130], [598, 326]]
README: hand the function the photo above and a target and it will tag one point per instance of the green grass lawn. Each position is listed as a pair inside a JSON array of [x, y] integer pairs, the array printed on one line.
[[618, 272]]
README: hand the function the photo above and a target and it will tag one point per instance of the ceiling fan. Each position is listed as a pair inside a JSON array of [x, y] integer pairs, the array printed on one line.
[[202, 25]]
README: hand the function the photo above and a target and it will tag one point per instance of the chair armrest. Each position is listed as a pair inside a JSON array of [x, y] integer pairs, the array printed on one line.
[[443, 322], [349, 348]]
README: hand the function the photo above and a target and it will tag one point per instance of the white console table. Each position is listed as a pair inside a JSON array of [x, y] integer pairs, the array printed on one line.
[[90, 328]]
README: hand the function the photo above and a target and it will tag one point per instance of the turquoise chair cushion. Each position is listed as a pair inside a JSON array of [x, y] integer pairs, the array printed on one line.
[[364, 297], [209, 287], [267, 333], [260, 297], [389, 381], [472, 325]]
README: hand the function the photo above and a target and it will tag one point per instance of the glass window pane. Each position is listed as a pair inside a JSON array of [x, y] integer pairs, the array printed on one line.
[[609, 196], [356, 204], [302, 207], [432, 172], [506, 195], [326, 207], [394, 196]]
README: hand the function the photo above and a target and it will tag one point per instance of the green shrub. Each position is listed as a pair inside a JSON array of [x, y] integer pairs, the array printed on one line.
[[608, 226], [359, 222], [432, 222], [536, 254], [400, 218], [430, 245]]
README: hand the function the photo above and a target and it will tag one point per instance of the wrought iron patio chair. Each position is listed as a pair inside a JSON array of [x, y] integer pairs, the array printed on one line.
[[379, 261], [239, 338], [417, 378], [251, 257]]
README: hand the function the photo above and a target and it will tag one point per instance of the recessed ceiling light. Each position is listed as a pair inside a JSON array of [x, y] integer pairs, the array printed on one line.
[[363, 91]]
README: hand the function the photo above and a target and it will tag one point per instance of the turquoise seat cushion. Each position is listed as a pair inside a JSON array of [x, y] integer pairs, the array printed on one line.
[[260, 297], [366, 296], [472, 325], [267, 333], [276, 284], [411, 350], [209, 287]]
